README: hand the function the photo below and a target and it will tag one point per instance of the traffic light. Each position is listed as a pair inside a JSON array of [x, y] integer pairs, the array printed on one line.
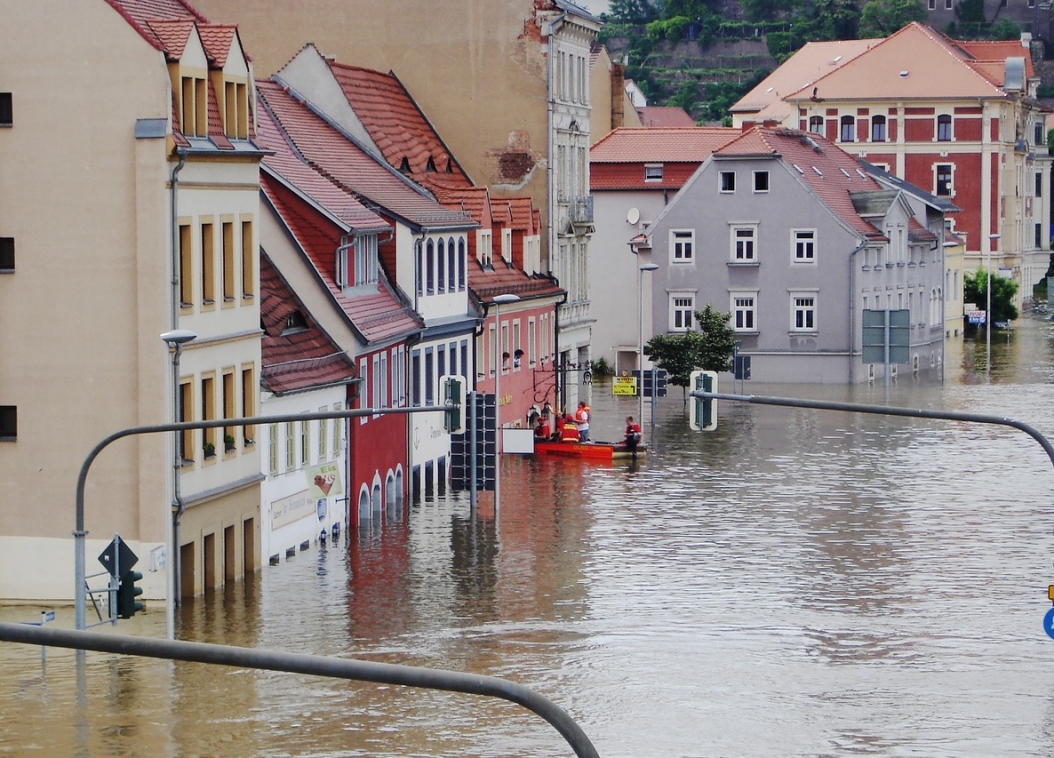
[[702, 413], [454, 392], [127, 605]]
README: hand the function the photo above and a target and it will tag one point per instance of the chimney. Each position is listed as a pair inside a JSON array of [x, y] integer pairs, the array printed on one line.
[[618, 95]]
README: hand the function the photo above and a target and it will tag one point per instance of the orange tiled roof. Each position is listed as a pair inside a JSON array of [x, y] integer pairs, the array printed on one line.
[[664, 115], [916, 62], [377, 315], [286, 164], [522, 209], [294, 359], [217, 38], [344, 162], [660, 144], [140, 14], [812, 61], [396, 124], [830, 172]]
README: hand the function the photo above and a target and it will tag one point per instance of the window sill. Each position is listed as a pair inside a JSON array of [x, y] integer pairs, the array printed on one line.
[[747, 332], [900, 264], [7, 271], [805, 333], [248, 297], [745, 264], [689, 262]]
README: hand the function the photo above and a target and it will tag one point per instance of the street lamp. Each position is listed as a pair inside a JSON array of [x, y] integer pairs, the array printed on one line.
[[175, 339], [640, 338], [993, 239], [498, 300]]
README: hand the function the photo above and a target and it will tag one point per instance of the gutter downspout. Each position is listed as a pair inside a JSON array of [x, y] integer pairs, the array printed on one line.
[[178, 505], [852, 307]]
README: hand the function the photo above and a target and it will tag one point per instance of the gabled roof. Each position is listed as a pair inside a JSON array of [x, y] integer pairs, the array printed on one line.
[[814, 60], [287, 166], [216, 39], [139, 13], [335, 155], [376, 314], [295, 359], [832, 175], [692, 144], [664, 115], [916, 62], [396, 124]]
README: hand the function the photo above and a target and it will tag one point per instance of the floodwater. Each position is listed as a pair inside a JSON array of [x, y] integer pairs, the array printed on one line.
[[796, 583]]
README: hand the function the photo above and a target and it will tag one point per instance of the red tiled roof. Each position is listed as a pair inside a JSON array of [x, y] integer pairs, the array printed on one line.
[[486, 284], [294, 359], [217, 38], [173, 35], [139, 13], [660, 144], [396, 124], [625, 176], [376, 315], [284, 162], [522, 209], [472, 201], [664, 116], [339, 159], [830, 172]]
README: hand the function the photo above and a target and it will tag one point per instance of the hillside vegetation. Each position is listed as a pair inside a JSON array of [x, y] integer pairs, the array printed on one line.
[[703, 55]]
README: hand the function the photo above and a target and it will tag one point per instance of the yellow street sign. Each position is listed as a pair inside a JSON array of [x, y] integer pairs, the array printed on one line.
[[624, 385]]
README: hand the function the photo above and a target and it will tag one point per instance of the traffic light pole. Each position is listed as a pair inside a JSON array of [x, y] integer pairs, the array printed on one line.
[[883, 410], [80, 589]]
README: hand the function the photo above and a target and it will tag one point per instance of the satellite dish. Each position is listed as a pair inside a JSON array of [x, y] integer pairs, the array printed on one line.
[[633, 216]]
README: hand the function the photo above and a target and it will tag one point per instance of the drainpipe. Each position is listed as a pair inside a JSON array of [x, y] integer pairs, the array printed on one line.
[[852, 306], [178, 505]]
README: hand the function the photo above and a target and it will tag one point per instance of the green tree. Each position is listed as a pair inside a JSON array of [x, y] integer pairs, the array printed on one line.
[[880, 18], [631, 11], [975, 290], [825, 20], [711, 348], [970, 11]]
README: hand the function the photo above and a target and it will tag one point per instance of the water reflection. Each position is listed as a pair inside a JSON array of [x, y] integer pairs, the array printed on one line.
[[796, 583]]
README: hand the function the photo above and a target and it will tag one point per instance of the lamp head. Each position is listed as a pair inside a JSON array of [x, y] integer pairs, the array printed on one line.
[[507, 298], [648, 266], [179, 337]]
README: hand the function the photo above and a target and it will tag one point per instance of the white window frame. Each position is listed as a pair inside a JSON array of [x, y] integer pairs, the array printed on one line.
[[680, 309], [653, 172], [721, 176], [803, 249], [749, 253], [682, 246], [751, 309], [754, 182], [803, 302], [365, 259]]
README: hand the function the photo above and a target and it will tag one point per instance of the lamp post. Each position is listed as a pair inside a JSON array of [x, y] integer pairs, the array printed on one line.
[[640, 338], [499, 358], [175, 339], [993, 239]]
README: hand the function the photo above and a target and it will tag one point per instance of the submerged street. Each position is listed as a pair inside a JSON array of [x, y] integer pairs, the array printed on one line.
[[796, 583]]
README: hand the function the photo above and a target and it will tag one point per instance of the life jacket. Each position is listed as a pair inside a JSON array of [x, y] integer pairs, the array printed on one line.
[[569, 432], [582, 415]]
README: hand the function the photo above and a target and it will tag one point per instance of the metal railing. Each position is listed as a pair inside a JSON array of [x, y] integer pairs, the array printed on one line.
[[316, 665]]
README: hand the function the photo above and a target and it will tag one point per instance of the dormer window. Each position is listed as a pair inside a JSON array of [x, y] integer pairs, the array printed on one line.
[[404, 166], [653, 172], [485, 247], [363, 259], [194, 111], [236, 110], [294, 322], [430, 167]]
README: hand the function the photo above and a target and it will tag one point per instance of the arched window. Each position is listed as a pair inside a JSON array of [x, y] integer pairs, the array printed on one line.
[[419, 265], [878, 129], [377, 496], [441, 267], [430, 265], [944, 128], [461, 260], [451, 269], [364, 506], [816, 124], [848, 129]]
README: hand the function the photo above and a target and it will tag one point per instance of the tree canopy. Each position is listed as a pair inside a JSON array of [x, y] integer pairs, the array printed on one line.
[[975, 290], [880, 18], [711, 348]]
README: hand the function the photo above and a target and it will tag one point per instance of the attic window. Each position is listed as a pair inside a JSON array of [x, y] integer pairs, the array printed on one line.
[[797, 168], [862, 174], [449, 166], [818, 172], [653, 172], [294, 322], [904, 73], [404, 167], [845, 172], [430, 167]]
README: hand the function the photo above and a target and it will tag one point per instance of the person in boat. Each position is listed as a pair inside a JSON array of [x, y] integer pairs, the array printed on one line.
[[582, 421], [569, 433], [633, 435], [541, 429]]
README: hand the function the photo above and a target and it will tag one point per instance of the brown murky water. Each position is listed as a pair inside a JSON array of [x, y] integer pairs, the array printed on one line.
[[797, 583]]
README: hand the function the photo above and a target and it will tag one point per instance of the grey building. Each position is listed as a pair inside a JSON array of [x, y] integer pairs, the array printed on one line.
[[795, 239]]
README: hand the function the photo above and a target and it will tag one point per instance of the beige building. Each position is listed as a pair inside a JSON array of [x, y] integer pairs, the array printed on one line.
[[509, 86], [128, 208]]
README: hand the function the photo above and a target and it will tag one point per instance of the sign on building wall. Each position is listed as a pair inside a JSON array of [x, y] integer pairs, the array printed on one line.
[[324, 480], [288, 510]]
